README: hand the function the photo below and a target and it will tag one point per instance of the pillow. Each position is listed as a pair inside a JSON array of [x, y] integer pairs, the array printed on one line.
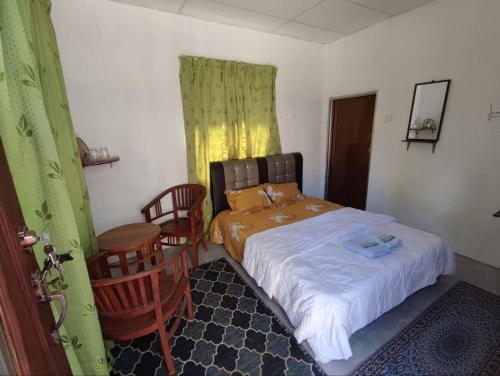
[[285, 192], [248, 199]]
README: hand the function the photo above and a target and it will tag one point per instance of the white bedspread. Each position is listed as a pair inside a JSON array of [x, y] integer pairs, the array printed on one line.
[[329, 292]]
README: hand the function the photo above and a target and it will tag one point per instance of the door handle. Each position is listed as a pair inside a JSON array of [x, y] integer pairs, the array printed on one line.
[[58, 296], [38, 280], [40, 287]]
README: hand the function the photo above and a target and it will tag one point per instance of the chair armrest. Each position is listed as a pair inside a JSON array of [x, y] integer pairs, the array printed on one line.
[[98, 267], [174, 255], [155, 202], [196, 208], [173, 259]]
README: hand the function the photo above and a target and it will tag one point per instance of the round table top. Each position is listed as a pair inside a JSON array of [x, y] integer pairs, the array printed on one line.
[[124, 237]]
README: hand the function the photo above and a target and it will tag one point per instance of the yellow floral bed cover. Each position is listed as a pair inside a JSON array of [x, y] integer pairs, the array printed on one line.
[[233, 228]]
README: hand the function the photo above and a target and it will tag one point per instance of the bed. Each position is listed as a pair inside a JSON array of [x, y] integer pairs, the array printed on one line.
[[295, 253]]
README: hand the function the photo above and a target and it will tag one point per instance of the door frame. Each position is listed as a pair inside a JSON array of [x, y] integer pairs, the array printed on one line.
[[329, 145], [21, 314]]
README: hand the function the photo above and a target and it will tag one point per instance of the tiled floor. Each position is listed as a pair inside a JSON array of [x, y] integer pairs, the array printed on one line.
[[367, 340]]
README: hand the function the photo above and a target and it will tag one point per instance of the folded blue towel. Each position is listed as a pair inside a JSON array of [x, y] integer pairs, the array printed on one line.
[[389, 240], [373, 245]]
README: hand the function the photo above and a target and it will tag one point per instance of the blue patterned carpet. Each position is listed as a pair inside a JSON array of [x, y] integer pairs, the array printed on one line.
[[458, 335], [232, 333]]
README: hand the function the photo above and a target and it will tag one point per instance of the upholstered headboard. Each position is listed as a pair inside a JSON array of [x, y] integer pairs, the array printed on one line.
[[244, 173]]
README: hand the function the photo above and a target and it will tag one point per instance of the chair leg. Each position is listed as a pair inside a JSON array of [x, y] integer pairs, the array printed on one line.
[[195, 254], [204, 242], [189, 304], [166, 350]]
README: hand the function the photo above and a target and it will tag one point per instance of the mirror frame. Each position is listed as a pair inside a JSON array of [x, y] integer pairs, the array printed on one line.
[[408, 139]]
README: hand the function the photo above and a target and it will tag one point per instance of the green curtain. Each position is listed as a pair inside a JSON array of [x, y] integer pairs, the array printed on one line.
[[39, 140], [229, 112]]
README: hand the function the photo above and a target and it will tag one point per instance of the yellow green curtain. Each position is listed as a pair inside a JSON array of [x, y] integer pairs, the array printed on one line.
[[39, 141], [229, 112]]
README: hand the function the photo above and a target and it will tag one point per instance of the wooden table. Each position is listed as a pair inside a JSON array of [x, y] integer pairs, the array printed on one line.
[[143, 239]]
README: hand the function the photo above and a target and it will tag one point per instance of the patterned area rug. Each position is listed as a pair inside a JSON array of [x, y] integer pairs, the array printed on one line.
[[233, 332], [457, 335]]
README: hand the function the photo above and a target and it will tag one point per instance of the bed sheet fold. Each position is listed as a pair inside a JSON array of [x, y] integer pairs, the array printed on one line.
[[233, 228]]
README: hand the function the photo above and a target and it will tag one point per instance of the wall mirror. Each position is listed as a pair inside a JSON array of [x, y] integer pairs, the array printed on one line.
[[427, 111]]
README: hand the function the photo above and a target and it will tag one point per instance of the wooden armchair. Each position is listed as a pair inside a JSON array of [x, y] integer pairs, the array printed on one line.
[[186, 198], [135, 305]]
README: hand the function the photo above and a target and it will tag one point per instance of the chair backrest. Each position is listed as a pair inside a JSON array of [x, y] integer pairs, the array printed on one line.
[[134, 295], [185, 195], [182, 197]]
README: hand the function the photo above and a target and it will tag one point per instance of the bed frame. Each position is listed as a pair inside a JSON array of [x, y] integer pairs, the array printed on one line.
[[245, 173]]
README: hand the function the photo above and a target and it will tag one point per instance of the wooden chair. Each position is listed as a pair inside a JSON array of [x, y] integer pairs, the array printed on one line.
[[186, 198], [135, 305]]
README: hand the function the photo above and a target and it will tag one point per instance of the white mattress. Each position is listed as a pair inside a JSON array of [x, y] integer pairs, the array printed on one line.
[[329, 292]]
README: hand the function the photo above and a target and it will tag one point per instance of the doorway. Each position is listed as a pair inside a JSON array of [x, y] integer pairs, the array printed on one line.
[[350, 138]]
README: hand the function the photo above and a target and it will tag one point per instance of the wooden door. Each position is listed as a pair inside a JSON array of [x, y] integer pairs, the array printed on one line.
[[27, 324], [349, 152]]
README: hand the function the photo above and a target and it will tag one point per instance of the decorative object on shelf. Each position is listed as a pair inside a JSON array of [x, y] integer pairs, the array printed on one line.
[[429, 124], [427, 112], [493, 114], [95, 156]]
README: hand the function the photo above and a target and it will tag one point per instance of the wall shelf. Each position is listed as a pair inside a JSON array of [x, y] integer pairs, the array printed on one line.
[[416, 130], [423, 141], [109, 160], [86, 161], [493, 114]]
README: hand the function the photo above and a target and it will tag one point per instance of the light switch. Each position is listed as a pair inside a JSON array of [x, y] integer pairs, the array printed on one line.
[[387, 118]]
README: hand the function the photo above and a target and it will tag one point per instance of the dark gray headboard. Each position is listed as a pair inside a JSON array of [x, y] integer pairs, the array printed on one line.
[[244, 173]]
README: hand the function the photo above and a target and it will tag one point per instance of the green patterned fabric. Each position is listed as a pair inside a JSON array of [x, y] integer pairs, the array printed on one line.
[[39, 140], [229, 112]]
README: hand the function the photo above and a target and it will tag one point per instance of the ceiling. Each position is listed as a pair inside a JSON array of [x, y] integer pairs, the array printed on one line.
[[321, 21]]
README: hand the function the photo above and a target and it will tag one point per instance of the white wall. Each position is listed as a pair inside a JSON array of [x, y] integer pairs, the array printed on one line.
[[454, 191], [121, 68]]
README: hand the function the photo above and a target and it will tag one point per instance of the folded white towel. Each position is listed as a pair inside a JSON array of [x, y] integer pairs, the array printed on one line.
[[373, 245], [389, 240]]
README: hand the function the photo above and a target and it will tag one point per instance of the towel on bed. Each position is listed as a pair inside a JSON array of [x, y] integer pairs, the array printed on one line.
[[373, 245], [389, 240]]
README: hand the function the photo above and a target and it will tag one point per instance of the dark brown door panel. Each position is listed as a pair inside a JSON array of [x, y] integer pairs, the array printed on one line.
[[349, 154], [26, 323]]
